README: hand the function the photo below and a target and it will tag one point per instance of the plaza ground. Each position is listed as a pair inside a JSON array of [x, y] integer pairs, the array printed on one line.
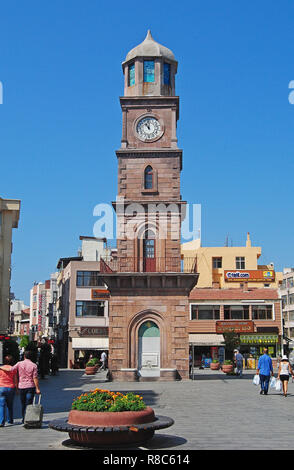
[[212, 412]]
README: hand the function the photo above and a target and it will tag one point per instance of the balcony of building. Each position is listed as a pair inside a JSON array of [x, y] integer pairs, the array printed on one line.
[[147, 265]]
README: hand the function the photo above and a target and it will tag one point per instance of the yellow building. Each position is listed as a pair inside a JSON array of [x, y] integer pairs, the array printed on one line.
[[9, 216], [230, 267]]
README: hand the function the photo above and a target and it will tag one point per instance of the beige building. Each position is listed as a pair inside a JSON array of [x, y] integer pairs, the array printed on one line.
[[9, 217], [230, 266]]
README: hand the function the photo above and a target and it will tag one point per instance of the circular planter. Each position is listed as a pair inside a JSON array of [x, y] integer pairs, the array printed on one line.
[[96, 429], [227, 368], [214, 365], [90, 370]]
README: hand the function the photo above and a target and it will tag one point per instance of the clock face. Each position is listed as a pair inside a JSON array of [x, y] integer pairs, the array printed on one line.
[[148, 128]]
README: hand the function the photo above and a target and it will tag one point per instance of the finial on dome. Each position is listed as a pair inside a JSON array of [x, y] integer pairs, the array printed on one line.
[[149, 35]]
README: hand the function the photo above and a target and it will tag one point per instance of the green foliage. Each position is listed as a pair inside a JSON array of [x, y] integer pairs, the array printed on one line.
[[231, 340], [104, 400], [215, 361], [24, 342], [93, 362], [227, 362]]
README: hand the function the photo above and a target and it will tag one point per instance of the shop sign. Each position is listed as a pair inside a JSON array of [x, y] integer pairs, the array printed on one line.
[[94, 331], [259, 339], [236, 326], [258, 275], [99, 294]]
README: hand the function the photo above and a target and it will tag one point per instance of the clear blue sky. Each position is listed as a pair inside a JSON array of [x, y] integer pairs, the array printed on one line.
[[60, 122]]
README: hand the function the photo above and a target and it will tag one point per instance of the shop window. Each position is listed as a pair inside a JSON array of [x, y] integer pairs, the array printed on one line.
[[148, 71], [236, 312], [131, 75], [89, 279], [240, 262], [166, 74], [262, 312], [205, 312], [90, 308], [216, 263]]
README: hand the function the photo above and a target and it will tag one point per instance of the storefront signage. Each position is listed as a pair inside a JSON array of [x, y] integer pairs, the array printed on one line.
[[259, 339], [258, 275], [94, 331], [100, 294], [236, 326]]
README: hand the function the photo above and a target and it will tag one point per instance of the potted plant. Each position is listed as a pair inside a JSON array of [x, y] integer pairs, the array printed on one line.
[[103, 418], [214, 365], [105, 409], [91, 367], [227, 366]]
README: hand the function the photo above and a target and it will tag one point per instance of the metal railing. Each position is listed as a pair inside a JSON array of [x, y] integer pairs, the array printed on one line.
[[160, 264]]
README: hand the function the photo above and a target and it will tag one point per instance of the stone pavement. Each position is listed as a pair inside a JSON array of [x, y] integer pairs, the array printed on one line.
[[212, 412]]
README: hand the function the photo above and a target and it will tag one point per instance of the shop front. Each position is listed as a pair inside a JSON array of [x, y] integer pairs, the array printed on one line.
[[252, 347], [204, 348], [88, 346]]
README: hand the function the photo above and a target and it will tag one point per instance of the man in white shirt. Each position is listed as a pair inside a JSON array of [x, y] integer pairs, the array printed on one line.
[[103, 359]]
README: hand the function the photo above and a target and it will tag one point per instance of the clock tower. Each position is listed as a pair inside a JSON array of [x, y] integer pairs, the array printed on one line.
[[149, 308]]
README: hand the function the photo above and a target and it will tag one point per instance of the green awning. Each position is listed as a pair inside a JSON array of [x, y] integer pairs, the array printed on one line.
[[261, 339]]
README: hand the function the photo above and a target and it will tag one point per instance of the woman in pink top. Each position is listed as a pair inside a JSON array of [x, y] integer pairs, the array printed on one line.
[[8, 385]]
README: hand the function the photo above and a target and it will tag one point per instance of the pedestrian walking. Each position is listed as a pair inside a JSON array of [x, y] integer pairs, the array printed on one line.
[[28, 383], [265, 370], [284, 373], [8, 386], [103, 360], [239, 363]]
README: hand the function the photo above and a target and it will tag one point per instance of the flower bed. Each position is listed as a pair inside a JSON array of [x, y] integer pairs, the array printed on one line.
[[104, 401]]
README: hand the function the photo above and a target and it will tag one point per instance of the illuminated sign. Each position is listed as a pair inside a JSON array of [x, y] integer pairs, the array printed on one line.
[[257, 275]]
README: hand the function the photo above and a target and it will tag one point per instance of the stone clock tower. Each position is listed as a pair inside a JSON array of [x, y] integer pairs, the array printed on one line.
[[148, 338]]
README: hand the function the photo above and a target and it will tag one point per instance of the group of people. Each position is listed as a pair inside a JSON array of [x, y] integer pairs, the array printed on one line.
[[265, 372], [20, 378]]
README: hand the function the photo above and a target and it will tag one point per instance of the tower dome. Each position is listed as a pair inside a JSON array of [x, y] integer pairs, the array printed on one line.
[[150, 48]]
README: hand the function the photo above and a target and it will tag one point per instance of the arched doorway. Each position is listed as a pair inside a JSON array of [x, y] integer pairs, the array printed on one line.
[[149, 349]]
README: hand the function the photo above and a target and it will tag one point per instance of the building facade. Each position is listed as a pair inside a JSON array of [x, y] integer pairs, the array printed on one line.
[[287, 303], [149, 292], [9, 217], [18, 313], [230, 267]]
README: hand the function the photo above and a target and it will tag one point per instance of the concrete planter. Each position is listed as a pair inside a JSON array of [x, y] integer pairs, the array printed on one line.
[[90, 370], [214, 365], [227, 368], [111, 420]]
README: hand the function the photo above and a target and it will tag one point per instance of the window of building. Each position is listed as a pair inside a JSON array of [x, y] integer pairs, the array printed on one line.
[[262, 312], [216, 263], [131, 76], [284, 301], [148, 177], [35, 313], [236, 312], [89, 279], [166, 74], [290, 282], [291, 299], [205, 312], [148, 70], [87, 308], [291, 315], [240, 262]]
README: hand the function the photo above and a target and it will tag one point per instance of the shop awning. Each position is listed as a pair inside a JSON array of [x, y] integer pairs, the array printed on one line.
[[90, 343], [206, 339]]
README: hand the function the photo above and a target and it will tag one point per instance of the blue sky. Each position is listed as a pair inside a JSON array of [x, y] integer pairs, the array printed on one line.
[[60, 121]]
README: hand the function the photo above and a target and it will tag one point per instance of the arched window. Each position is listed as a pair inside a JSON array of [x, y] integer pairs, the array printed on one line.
[[148, 177]]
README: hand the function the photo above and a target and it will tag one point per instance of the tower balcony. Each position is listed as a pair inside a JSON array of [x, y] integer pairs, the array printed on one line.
[[148, 265]]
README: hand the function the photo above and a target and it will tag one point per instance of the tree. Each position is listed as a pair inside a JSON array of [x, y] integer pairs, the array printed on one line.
[[231, 341], [24, 341]]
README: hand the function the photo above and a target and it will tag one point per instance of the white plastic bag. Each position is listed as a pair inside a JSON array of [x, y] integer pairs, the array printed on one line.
[[273, 382], [256, 379], [278, 386]]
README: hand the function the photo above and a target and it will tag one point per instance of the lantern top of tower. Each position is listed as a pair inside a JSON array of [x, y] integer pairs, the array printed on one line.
[[150, 48]]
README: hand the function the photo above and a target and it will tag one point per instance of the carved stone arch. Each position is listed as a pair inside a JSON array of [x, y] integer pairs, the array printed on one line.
[[133, 331]]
